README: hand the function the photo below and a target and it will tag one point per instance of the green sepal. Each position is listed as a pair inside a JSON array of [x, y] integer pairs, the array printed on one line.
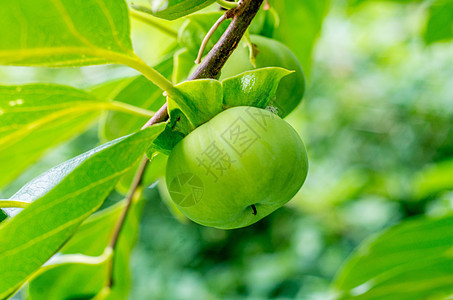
[[202, 101], [205, 98], [165, 142], [253, 88]]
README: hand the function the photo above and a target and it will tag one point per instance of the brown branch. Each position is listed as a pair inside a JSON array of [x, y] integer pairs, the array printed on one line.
[[160, 116], [130, 196], [241, 17]]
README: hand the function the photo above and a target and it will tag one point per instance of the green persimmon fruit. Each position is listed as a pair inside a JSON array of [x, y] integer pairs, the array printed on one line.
[[239, 167], [271, 54]]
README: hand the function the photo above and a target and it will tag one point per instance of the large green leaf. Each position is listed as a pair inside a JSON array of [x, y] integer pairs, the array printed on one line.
[[440, 22], [77, 277], [411, 261], [34, 118], [300, 26], [62, 198], [111, 88], [174, 9], [77, 280], [63, 32]]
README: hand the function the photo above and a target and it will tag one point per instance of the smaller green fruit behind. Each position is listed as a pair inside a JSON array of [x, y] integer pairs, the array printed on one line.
[[271, 54], [237, 168]]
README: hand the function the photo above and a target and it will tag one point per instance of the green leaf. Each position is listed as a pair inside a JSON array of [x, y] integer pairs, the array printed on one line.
[[139, 92], [183, 61], [95, 233], [434, 179], [62, 198], [155, 169], [174, 9], [440, 22], [410, 261], [77, 280], [253, 88], [165, 142], [34, 118], [78, 277], [108, 90], [93, 236], [307, 14], [203, 100], [63, 33]]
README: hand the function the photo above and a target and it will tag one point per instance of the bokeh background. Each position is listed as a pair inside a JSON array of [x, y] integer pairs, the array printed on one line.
[[377, 121]]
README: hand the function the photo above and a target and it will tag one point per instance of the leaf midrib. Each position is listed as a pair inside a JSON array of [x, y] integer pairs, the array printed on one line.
[[97, 53], [25, 130]]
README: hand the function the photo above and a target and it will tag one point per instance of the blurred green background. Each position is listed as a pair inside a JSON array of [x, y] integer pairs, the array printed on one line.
[[377, 121]]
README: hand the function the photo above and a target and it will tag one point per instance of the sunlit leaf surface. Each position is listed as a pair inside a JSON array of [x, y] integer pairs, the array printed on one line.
[[63, 32], [61, 199]]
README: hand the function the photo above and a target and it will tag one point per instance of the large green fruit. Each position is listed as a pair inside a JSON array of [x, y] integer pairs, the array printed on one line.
[[237, 168], [271, 54]]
